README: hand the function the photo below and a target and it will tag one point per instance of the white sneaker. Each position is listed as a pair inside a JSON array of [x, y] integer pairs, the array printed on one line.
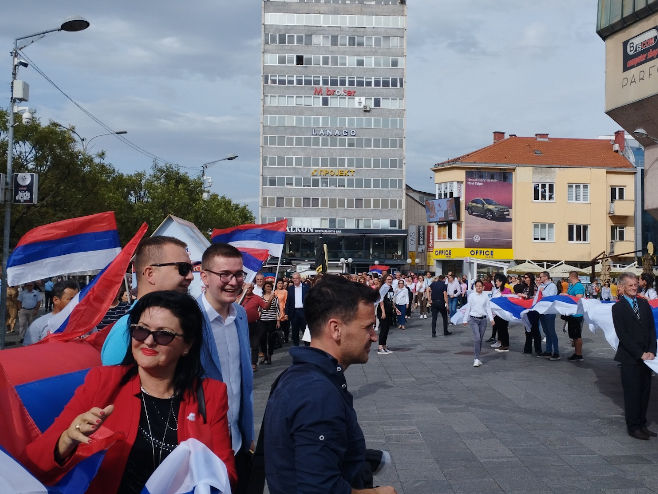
[[381, 351], [477, 363], [496, 345], [388, 351]]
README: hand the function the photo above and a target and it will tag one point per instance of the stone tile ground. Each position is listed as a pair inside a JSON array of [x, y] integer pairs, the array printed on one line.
[[516, 424]]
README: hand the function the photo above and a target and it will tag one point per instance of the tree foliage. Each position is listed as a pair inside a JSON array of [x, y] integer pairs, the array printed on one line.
[[73, 183]]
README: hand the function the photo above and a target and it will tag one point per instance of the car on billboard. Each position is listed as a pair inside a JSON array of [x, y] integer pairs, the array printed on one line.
[[488, 208]]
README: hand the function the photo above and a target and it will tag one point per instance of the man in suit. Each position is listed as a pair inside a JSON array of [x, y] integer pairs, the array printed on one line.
[[295, 307], [634, 325], [226, 353]]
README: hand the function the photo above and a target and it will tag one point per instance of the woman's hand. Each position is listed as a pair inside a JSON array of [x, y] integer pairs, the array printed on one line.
[[83, 426]]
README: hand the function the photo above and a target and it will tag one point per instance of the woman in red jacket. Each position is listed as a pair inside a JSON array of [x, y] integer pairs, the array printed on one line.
[[144, 407]]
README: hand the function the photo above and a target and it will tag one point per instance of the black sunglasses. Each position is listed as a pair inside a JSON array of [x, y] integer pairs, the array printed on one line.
[[160, 336], [184, 268]]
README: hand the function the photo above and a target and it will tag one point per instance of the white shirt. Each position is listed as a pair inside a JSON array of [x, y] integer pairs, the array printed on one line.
[[402, 296], [547, 289], [299, 302], [228, 348], [38, 329], [29, 300], [258, 290], [452, 286], [478, 306]]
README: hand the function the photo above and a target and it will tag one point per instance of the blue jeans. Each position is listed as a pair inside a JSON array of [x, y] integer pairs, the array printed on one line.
[[452, 305], [402, 320], [548, 325]]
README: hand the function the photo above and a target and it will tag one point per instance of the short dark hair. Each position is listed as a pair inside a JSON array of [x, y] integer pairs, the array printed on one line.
[[268, 282], [335, 296], [60, 286], [500, 277], [187, 311], [648, 278], [219, 250], [151, 247]]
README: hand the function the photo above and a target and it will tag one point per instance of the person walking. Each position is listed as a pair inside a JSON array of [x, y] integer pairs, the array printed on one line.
[[385, 313], [533, 336], [575, 321], [421, 296], [478, 309], [401, 302], [270, 320], [439, 297], [547, 288], [500, 324], [454, 292]]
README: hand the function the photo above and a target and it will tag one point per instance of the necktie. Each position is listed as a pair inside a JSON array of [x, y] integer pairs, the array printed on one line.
[[636, 309]]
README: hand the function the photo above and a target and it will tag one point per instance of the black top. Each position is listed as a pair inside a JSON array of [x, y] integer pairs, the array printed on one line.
[[149, 450], [438, 288]]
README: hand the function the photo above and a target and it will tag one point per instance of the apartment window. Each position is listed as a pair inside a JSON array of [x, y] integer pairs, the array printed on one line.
[[578, 192], [617, 193], [544, 192], [617, 233], [578, 233], [543, 232]]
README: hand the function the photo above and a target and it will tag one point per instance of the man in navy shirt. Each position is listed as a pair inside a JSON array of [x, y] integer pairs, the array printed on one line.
[[312, 440], [439, 296]]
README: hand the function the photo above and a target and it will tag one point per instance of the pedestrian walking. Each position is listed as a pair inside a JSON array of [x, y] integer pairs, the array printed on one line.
[[421, 296], [385, 313], [401, 302], [439, 297], [477, 312], [500, 324]]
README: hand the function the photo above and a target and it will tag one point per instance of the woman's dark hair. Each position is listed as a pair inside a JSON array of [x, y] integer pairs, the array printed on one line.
[[531, 285], [189, 316], [268, 282], [648, 278], [500, 277]]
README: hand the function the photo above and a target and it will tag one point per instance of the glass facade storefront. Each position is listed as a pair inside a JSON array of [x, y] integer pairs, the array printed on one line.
[[614, 15]]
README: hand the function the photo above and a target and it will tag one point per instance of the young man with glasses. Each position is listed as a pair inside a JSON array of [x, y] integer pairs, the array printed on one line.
[[226, 352], [160, 263]]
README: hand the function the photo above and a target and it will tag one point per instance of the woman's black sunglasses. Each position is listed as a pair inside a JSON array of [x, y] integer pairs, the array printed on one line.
[[160, 336]]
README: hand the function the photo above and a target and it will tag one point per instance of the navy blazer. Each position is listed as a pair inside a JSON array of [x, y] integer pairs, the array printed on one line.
[[290, 304], [636, 336], [213, 368]]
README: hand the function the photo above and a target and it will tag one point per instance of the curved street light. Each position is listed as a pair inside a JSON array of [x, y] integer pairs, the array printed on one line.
[[207, 181], [72, 24], [84, 142]]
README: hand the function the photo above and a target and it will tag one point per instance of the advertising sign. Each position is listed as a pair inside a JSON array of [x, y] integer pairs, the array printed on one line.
[[461, 253], [430, 237], [442, 210], [640, 49], [488, 205], [412, 240], [26, 188]]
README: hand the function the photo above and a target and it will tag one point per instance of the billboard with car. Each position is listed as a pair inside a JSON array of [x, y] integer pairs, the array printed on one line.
[[488, 204]]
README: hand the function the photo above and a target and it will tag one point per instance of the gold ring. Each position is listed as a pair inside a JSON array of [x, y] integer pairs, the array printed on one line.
[[77, 426]]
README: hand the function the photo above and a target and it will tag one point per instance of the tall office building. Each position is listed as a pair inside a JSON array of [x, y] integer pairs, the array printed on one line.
[[333, 127]]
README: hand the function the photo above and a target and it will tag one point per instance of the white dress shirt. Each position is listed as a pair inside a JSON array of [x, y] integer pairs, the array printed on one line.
[[225, 333], [478, 306], [299, 302]]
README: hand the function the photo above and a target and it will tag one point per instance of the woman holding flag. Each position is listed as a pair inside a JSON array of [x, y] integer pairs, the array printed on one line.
[[142, 409]]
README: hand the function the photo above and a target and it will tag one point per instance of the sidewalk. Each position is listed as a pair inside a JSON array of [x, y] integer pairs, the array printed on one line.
[[516, 424]]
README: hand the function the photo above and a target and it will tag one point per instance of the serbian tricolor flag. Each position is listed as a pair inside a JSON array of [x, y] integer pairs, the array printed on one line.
[[252, 261], [269, 236], [89, 306], [69, 246]]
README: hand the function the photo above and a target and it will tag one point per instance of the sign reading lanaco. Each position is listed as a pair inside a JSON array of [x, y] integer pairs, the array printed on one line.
[[334, 231]]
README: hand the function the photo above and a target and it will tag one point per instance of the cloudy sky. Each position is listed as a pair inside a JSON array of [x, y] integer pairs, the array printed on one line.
[[183, 78]]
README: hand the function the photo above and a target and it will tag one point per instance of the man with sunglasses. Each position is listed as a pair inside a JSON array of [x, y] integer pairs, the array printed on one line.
[[160, 263], [226, 352]]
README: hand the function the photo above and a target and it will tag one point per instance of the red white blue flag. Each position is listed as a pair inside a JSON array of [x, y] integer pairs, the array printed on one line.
[[69, 246], [252, 261], [269, 236]]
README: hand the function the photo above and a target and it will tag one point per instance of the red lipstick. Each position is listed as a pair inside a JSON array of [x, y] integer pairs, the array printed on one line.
[[148, 352]]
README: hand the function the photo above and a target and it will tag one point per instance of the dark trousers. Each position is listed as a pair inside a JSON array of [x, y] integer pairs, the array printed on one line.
[[285, 327], [533, 337], [267, 337], [49, 300], [384, 325], [501, 326], [297, 324], [636, 382], [436, 308], [255, 332], [243, 468]]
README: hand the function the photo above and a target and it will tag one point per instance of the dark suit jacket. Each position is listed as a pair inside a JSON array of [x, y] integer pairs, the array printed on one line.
[[635, 336], [290, 303]]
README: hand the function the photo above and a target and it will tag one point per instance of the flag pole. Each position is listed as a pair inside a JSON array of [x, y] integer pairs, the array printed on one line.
[[276, 273]]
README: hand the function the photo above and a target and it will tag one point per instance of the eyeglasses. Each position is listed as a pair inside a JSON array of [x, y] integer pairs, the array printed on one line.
[[160, 336], [184, 268], [227, 276]]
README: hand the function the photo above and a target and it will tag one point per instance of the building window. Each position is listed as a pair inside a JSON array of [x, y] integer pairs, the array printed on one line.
[[617, 233], [578, 192], [544, 192], [617, 193], [543, 232], [449, 231], [578, 233]]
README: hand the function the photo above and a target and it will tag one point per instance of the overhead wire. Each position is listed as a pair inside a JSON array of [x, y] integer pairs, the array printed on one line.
[[111, 131]]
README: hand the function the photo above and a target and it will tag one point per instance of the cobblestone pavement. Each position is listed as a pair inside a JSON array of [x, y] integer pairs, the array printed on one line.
[[516, 424]]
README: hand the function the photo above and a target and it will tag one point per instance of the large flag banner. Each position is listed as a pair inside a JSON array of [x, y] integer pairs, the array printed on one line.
[[269, 236], [252, 261], [89, 306], [69, 246]]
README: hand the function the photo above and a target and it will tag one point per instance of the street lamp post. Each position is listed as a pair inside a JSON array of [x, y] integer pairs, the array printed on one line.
[[84, 142], [71, 25], [207, 181]]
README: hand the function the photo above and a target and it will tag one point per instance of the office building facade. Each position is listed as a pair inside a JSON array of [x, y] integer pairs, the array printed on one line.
[[333, 128]]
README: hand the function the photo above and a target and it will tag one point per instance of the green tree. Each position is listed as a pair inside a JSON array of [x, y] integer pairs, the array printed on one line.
[[73, 183]]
